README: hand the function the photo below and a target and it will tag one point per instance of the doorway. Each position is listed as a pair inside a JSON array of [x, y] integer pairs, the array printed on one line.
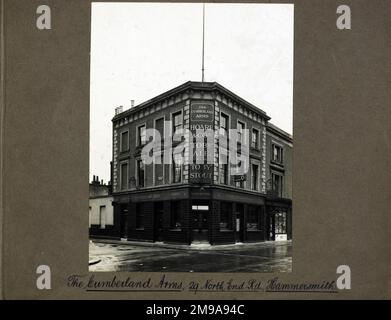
[[200, 213], [158, 221], [277, 225], [239, 218], [124, 220]]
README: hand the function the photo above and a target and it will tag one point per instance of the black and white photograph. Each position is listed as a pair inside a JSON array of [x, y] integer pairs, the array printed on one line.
[[191, 137], [146, 153]]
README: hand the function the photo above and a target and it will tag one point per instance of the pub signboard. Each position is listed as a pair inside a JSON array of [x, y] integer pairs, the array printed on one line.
[[201, 120]]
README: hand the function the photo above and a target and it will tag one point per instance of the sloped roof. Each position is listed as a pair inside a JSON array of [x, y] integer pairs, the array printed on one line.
[[273, 128]]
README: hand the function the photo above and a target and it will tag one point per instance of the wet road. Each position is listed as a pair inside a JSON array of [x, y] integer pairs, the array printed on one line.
[[259, 257]]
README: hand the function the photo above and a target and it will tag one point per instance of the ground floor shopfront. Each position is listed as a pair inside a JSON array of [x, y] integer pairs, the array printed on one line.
[[191, 215]]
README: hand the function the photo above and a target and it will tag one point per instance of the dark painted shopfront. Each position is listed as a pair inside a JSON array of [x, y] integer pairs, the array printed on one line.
[[202, 216]]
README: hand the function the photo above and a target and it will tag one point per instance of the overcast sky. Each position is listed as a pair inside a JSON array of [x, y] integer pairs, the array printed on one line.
[[139, 50]]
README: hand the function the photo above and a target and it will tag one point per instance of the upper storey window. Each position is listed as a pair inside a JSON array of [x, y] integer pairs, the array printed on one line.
[[223, 124], [124, 176], [241, 127], [125, 141], [278, 155], [177, 121], [159, 126], [141, 135], [140, 173], [177, 168], [255, 139]]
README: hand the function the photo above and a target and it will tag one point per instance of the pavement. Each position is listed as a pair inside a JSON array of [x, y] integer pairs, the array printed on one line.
[[111, 255]]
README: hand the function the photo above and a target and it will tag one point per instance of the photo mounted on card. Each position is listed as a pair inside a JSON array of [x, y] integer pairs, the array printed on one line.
[[195, 151], [191, 137]]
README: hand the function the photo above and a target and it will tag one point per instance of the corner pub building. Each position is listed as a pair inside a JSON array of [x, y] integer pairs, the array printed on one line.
[[169, 203]]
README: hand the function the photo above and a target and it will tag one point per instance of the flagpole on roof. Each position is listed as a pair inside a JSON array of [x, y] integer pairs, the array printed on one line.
[[203, 40]]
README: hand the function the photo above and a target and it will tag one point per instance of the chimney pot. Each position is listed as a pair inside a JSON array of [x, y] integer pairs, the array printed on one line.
[[118, 110]]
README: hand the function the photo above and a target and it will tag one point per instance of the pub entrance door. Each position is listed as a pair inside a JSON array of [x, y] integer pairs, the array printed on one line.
[[124, 220], [277, 224], [200, 215], [239, 216], [158, 221]]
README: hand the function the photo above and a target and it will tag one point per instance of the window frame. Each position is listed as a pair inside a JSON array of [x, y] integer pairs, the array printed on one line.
[[164, 129], [173, 170], [257, 180], [139, 160], [281, 148], [241, 184], [281, 179], [122, 163], [121, 149], [173, 114], [256, 146], [161, 155], [241, 140], [225, 173], [224, 142], [138, 135], [227, 122], [257, 211]]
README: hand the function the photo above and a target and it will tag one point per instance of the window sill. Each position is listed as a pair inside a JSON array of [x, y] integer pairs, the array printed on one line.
[[140, 229], [226, 230], [175, 230], [254, 230], [277, 162]]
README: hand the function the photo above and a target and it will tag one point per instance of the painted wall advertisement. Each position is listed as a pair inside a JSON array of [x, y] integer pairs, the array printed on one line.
[[201, 119]]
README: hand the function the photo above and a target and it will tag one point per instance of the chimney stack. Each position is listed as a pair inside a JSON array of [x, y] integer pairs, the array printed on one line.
[[131, 103], [118, 110]]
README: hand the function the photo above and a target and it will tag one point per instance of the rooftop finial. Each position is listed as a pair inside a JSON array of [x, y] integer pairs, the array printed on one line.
[[203, 40]]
